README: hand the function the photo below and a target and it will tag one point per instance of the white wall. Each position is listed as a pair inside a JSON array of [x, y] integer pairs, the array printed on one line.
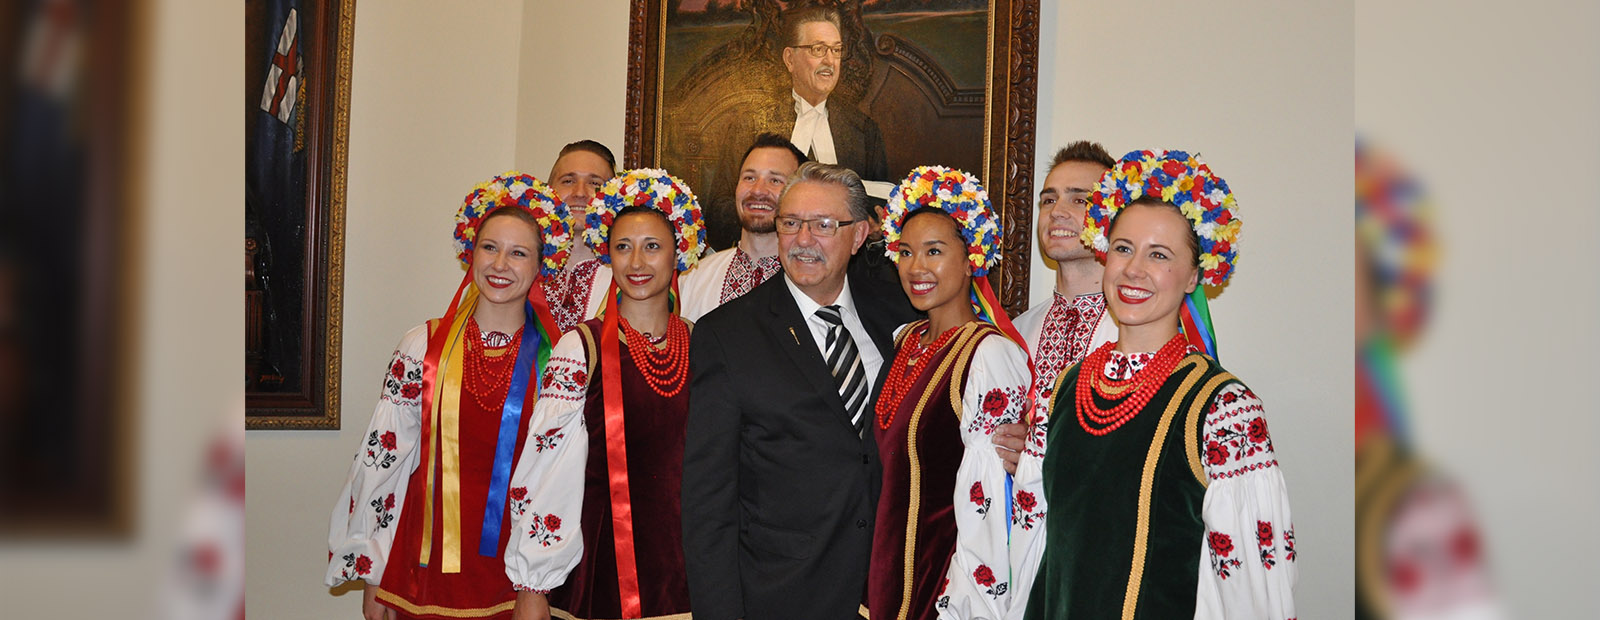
[[1271, 112], [1263, 92], [573, 79], [433, 112]]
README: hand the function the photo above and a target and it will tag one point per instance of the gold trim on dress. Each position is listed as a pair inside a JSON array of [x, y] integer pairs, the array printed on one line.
[[1191, 430], [438, 610], [1130, 600], [962, 341]]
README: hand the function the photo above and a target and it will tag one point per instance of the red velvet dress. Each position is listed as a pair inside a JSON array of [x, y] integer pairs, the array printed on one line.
[[572, 409], [942, 508], [387, 490]]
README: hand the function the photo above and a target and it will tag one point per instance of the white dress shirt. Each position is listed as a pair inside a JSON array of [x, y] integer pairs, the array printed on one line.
[[871, 360], [812, 134]]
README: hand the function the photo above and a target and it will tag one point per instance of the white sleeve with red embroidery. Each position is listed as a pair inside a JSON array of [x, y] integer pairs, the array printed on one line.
[[546, 493], [361, 529], [1247, 556], [979, 583], [1028, 509]]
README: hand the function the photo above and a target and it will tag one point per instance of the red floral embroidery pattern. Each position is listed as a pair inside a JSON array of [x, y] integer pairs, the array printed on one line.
[[1001, 405], [1288, 544], [1221, 548], [548, 440], [978, 498], [565, 379], [1025, 515], [984, 577], [519, 501], [380, 450], [1236, 437], [383, 509], [403, 383], [543, 528], [944, 599], [1264, 541], [355, 567], [1040, 432]]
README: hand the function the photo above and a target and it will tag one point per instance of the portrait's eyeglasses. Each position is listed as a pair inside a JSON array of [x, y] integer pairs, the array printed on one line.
[[821, 227], [818, 50]]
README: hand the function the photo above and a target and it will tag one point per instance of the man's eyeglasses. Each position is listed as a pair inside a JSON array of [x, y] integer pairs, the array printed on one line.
[[821, 227], [818, 50]]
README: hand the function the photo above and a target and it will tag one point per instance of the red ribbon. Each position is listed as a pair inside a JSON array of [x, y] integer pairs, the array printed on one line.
[[617, 461]]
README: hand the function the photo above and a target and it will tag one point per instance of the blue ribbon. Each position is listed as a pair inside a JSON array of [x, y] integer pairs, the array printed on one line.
[[505, 446]]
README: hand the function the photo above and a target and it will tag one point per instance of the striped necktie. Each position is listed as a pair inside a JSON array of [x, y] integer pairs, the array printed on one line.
[[844, 361]]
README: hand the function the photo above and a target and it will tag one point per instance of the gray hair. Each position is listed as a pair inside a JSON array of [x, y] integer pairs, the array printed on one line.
[[838, 176]]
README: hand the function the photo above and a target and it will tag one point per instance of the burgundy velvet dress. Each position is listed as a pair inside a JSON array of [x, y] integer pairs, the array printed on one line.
[[573, 409]]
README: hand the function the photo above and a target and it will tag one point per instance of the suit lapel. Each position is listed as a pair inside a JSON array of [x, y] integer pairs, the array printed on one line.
[[846, 143], [790, 329]]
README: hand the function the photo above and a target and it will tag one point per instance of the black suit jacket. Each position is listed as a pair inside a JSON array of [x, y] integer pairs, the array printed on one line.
[[857, 141], [779, 493]]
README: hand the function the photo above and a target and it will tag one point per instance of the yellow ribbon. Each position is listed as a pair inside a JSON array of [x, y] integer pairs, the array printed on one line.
[[447, 428]]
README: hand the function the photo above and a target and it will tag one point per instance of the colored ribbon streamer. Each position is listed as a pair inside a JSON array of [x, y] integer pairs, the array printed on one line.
[[617, 463], [505, 446], [447, 332], [1196, 322]]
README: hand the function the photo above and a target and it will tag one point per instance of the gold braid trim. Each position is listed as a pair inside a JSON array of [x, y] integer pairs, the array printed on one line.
[[964, 341], [1141, 537], [1385, 486], [1191, 430], [436, 610], [589, 347], [961, 364]]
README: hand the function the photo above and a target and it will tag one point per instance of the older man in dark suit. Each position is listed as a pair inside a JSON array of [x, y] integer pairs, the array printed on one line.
[[780, 474]]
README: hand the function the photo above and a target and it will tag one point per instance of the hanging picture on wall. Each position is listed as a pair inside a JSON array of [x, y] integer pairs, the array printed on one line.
[[297, 111], [66, 371], [903, 83]]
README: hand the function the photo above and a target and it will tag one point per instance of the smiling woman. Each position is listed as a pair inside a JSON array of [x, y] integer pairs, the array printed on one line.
[[1157, 459], [589, 437], [944, 537], [423, 510]]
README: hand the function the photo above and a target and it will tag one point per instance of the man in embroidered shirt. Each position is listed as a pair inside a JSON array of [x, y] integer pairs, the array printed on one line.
[[723, 276], [1075, 322], [579, 171], [831, 134]]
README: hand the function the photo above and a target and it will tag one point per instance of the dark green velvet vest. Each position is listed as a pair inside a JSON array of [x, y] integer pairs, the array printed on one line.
[[1123, 531]]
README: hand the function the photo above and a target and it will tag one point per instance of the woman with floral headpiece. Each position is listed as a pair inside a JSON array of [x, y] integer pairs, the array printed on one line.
[[1165, 498], [940, 546], [608, 433], [422, 517]]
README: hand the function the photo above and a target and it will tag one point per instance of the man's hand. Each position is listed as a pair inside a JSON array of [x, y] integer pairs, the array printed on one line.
[[1009, 440], [371, 609], [531, 606]]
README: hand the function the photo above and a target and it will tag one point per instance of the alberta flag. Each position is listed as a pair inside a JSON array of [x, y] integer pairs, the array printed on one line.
[[275, 162]]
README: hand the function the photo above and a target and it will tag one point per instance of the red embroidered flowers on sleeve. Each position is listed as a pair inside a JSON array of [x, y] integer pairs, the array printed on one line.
[[1265, 542], [543, 528], [984, 577], [380, 451], [978, 498], [403, 383], [355, 567], [1221, 546], [1025, 516]]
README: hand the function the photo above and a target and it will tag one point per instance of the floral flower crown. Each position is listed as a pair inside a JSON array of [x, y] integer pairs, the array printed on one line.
[[529, 194], [654, 188], [956, 193], [1394, 226], [1182, 180]]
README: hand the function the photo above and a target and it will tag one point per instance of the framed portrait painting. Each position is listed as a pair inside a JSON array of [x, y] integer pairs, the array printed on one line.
[[297, 116], [908, 83]]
